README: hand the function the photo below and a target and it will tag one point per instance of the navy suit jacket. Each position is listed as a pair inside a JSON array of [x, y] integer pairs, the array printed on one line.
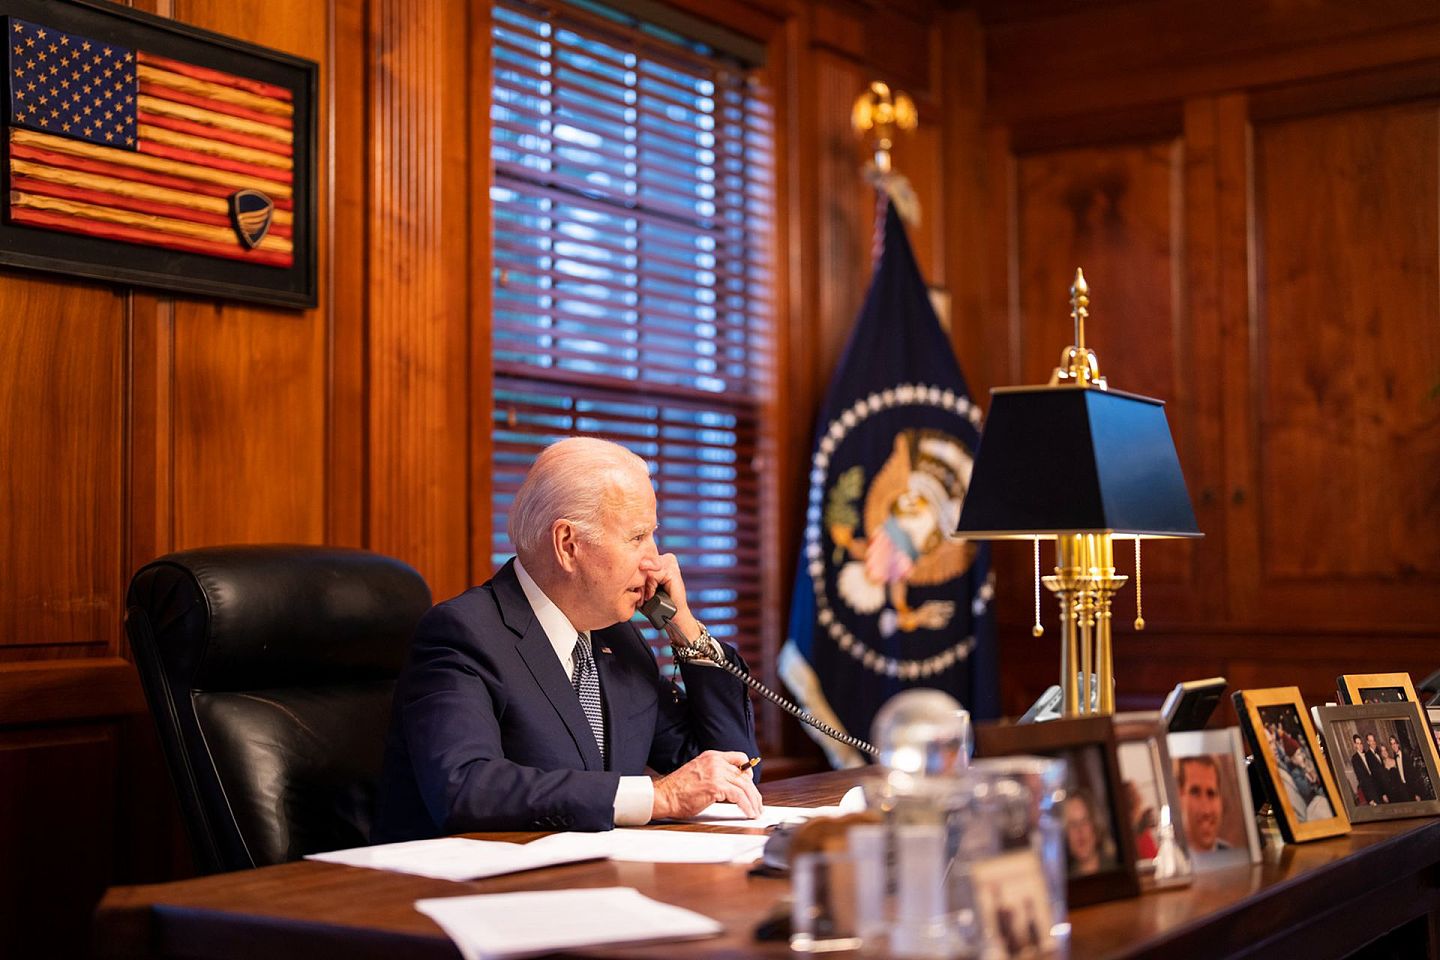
[[1365, 779], [487, 732]]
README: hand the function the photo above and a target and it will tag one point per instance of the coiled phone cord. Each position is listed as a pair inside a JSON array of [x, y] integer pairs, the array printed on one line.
[[685, 653]]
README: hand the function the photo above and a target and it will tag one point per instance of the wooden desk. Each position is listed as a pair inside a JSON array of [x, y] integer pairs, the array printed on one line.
[[1322, 899]]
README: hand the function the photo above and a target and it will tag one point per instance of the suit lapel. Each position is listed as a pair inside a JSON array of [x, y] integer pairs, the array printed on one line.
[[534, 648]]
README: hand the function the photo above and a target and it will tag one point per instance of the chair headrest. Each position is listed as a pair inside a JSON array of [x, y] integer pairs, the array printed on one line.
[[247, 617]]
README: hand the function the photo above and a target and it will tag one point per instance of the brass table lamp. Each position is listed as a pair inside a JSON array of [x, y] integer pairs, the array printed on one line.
[[1081, 464]]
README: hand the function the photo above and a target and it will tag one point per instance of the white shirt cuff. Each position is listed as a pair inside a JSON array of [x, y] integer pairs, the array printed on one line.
[[634, 801]]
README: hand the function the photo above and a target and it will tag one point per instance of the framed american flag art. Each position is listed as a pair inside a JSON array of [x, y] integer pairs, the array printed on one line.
[[141, 150]]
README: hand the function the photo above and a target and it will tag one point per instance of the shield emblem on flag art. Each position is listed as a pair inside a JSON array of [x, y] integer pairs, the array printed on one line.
[[251, 212], [879, 555]]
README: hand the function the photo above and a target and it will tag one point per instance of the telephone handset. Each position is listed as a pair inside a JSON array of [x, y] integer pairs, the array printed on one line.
[[660, 609]]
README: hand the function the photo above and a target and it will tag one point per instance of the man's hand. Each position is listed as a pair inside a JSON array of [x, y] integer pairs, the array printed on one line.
[[712, 777], [667, 575]]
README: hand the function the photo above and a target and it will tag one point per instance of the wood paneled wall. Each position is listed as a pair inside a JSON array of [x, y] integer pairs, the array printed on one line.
[[1252, 192]]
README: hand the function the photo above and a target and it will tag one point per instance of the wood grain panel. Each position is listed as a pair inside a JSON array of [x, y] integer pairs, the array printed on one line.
[[52, 691], [1347, 295], [249, 422], [345, 97], [482, 367], [919, 158], [419, 255], [1077, 59], [1112, 211], [149, 444], [250, 382], [963, 205], [61, 432], [846, 213], [56, 843]]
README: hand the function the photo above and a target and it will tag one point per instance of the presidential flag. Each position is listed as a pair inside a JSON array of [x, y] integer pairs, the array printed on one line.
[[125, 145], [885, 599]]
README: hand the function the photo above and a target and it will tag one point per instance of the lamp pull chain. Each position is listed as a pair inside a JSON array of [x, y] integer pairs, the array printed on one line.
[[1139, 619], [1038, 630]]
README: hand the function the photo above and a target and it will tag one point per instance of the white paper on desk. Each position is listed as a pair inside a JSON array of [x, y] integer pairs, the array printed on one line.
[[456, 858], [503, 925], [730, 815], [677, 846]]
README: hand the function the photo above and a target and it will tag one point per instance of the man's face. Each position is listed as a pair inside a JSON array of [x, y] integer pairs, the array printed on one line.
[[1370, 742], [613, 570], [1201, 804], [1359, 745], [1394, 747]]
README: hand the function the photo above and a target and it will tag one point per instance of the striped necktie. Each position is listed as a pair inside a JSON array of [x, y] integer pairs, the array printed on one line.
[[587, 685]]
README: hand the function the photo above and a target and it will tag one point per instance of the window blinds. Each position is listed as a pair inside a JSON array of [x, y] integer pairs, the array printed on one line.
[[632, 291]]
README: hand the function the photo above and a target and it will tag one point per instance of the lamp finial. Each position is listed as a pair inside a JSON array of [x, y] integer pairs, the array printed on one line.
[[1078, 364], [1079, 307]]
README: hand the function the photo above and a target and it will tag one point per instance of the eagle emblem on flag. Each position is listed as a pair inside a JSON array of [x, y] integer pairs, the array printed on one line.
[[910, 506]]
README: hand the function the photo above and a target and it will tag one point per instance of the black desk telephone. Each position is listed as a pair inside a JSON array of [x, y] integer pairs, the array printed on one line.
[[660, 609]]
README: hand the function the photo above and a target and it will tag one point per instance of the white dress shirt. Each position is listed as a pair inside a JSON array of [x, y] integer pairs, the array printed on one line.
[[635, 796]]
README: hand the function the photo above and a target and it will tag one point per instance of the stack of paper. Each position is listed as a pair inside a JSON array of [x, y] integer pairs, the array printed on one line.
[[672, 846], [502, 925], [456, 858], [731, 816]]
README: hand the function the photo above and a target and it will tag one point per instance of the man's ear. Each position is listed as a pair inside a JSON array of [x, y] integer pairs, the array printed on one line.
[[565, 541]]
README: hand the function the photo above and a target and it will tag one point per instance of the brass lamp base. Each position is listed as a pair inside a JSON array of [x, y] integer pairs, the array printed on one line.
[[1084, 583]]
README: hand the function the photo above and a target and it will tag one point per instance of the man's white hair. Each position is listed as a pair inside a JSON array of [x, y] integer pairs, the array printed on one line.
[[570, 480]]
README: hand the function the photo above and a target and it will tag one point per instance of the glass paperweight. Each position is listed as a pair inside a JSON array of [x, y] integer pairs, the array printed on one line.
[[922, 733]]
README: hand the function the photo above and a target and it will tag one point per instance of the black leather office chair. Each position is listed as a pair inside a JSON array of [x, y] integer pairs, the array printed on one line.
[[270, 670]]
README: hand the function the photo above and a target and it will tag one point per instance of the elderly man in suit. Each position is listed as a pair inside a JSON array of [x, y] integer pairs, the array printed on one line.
[[532, 703]]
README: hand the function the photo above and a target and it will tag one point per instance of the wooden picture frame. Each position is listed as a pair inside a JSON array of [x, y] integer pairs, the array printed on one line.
[[1300, 787], [1093, 800], [198, 175], [1375, 688], [1381, 688], [1433, 715], [1224, 750], [1143, 758], [1391, 786]]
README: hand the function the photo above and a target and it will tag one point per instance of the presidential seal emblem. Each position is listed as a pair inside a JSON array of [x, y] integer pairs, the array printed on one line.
[[910, 506], [885, 572]]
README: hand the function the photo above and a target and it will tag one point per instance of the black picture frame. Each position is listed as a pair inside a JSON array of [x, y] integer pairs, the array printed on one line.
[[1068, 739], [36, 248], [1342, 723], [1279, 712]]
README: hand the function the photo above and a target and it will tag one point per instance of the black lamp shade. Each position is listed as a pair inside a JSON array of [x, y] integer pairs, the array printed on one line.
[[1057, 460]]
